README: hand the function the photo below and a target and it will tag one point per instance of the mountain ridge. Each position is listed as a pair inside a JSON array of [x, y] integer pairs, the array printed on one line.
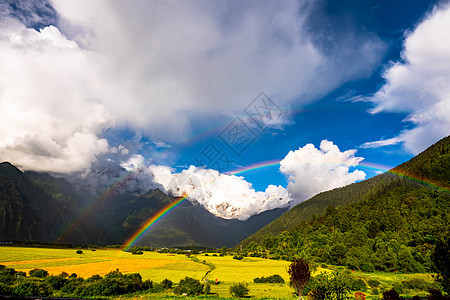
[[428, 167]]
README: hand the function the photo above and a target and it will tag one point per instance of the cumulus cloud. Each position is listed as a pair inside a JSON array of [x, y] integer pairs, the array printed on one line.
[[310, 170], [153, 66], [46, 121], [226, 196], [420, 83]]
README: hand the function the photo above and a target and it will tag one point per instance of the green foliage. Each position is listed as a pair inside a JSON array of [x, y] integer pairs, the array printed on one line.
[[56, 282], [31, 288], [38, 273], [238, 257], [79, 252], [269, 279], [441, 260], [387, 223], [189, 286], [166, 284], [358, 285], [391, 295], [328, 286], [207, 289], [239, 290], [373, 283]]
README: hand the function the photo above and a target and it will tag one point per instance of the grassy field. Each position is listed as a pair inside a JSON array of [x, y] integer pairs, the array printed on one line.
[[158, 266]]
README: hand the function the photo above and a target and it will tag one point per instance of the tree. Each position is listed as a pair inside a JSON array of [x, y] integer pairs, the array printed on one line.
[[239, 290], [441, 260], [39, 273], [300, 274]]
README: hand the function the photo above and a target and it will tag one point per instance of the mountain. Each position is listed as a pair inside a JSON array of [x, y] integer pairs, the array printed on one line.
[[186, 224], [391, 222], [431, 166], [190, 224], [29, 213], [39, 207]]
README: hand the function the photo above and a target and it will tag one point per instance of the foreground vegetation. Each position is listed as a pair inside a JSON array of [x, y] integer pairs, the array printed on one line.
[[163, 275]]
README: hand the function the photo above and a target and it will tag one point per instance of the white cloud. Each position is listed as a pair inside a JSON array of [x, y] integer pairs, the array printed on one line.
[[226, 196], [382, 143], [46, 121], [153, 67], [420, 84], [311, 170]]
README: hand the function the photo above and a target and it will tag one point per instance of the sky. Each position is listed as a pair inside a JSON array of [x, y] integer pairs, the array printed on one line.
[[243, 105]]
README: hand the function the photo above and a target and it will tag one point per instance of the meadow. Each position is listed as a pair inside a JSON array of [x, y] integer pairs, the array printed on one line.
[[158, 266]]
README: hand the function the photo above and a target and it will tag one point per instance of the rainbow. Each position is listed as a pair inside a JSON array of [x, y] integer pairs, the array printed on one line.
[[158, 216], [90, 205], [258, 167]]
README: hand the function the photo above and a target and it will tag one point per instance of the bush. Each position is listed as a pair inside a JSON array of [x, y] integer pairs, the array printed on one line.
[[270, 279], [391, 295], [166, 284], [56, 282], [32, 288], [79, 252], [375, 291], [360, 296], [239, 290], [358, 285], [207, 289], [373, 283], [328, 286], [189, 286], [416, 284], [238, 257], [367, 268], [38, 273]]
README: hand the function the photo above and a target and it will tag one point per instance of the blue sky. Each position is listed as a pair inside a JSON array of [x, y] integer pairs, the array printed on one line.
[[156, 86]]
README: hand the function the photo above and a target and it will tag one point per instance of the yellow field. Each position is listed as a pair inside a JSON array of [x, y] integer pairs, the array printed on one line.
[[154, 266]]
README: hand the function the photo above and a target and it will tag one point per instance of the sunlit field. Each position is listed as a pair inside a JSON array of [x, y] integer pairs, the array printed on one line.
[[158, 266]]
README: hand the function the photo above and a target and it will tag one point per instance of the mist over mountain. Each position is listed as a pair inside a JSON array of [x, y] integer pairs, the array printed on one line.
[[108, 209]]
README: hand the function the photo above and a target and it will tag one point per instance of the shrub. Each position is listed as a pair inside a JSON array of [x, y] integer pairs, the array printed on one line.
[[56, 282], [73, 275], [374, 291], [189, 286], [137, 252], [166, 284], [367, 268], [391, 295], [32, 288], [416, 284], [38, 273], [207, 289], [239, 290], [238, 257], [373, 283], [358, 285], [360, 296], [79, 252], [270, 279], [328, 286]]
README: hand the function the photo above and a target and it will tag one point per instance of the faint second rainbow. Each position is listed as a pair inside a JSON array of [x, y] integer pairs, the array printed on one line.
[[150, 222]]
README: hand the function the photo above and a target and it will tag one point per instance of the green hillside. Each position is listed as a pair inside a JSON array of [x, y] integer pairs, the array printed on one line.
[[432, 166]]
